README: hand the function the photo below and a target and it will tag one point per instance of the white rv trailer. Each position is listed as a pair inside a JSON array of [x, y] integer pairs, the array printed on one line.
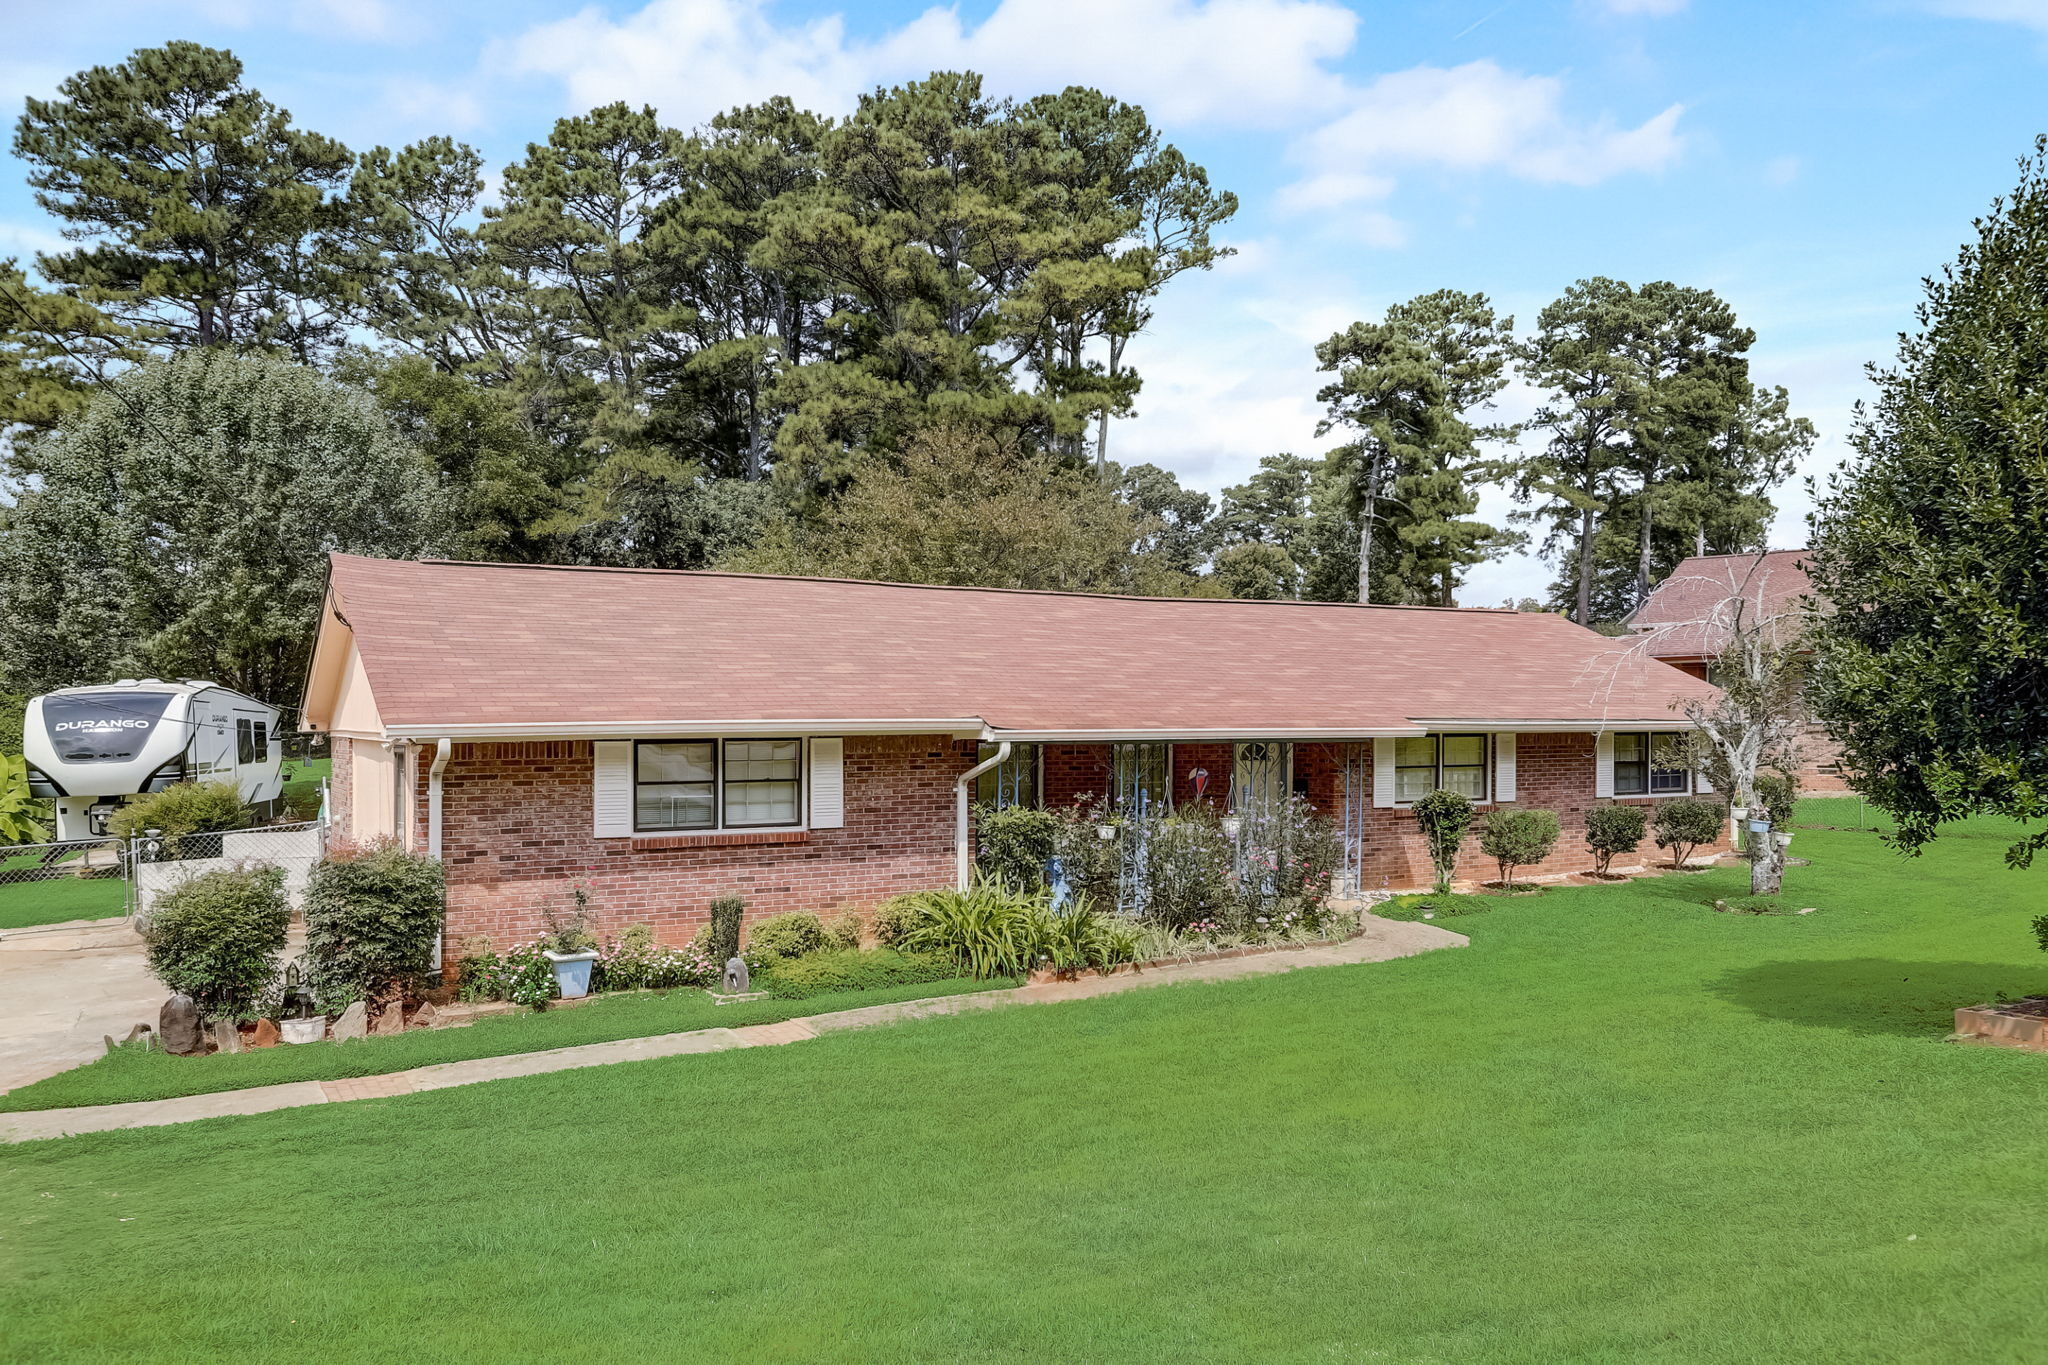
[[94, 748]]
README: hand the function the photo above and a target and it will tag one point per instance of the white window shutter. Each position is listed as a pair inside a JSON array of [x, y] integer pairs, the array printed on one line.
[[1603, 764], [1504, 767], [828, 783], [1699, 781], [1383, 772], [611, 794]]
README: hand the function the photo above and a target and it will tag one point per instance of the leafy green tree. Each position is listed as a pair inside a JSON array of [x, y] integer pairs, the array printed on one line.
[[1255, 571], [1182, 535], [1409, 386], [956, 509], [52, 349], [204, 200], [1300, 506], [1660, 445], [180, 524], [1931, 667]]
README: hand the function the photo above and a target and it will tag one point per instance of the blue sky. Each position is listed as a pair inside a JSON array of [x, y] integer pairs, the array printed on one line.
[[1810, 161]]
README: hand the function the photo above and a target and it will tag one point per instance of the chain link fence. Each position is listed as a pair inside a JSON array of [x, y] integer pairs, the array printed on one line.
[[90, 879]]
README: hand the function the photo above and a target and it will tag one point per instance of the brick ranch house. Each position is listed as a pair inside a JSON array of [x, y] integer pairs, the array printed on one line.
[[668, 737], [1684, 622]]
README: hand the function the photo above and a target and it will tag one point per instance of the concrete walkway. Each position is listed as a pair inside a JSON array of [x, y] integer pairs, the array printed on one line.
[[63, 988], [1382, 941]]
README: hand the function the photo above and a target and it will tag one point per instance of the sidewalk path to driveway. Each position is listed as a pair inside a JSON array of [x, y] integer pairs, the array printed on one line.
[[1382, 941]]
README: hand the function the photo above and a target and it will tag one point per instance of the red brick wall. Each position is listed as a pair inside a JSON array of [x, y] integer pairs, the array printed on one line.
[[1820, 764], [516, 830], [1072, 771], [1552, 772]]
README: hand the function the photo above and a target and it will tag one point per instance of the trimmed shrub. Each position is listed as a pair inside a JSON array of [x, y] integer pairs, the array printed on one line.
[[217, 937], [724, 940], [894, 919], [1685, 823], [1444, 818], [794, 933], [182, 810], [1015, 844], [1614, 829], [372, 917], [1518, 838], [844, 934], [856, 970]]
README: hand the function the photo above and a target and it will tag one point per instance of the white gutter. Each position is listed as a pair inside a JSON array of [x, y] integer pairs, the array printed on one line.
[[962, 868], [1184, 736], [960, 727], [442, 749]]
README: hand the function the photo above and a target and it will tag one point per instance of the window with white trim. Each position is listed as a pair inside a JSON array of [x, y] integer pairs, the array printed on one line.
[[708, 785], [1452, 763], [1637, 757]]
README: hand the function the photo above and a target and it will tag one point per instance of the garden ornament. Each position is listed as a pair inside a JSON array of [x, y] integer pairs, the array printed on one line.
[[737, 981]]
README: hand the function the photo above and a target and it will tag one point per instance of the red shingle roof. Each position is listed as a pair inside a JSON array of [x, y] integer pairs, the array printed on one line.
[[1688, 615], [492, 645]]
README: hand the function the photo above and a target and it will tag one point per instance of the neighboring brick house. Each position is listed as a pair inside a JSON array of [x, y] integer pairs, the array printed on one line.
[[1685, 622], [664, 738]]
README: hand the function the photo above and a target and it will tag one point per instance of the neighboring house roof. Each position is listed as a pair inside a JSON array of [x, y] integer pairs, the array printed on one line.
[[1689, 615], [496, 649]]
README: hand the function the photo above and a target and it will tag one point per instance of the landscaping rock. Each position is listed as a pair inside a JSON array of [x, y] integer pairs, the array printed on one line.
[[266, 1034], [353, 1023], [425, 1015], [226, 1037], [391, 1021], [178, 1024]]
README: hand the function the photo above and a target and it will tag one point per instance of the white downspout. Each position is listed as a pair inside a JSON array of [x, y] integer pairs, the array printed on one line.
[[964, 863], [442, 749]]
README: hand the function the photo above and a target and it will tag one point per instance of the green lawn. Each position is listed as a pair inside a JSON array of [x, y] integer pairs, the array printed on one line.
[[136, 1073], [1618, 1128], [53, 900]]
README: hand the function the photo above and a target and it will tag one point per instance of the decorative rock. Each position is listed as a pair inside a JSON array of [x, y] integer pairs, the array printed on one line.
[[266, 1034], [390, 1021], [137, 1031], [353, 1023], [226, 1037], [425, 1015], [737, 979], [178, 1023]]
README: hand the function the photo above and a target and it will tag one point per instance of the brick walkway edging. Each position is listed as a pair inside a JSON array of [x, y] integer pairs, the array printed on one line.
[[1381, 941]]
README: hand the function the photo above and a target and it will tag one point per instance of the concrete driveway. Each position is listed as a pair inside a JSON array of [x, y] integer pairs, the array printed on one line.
[[63, 988]]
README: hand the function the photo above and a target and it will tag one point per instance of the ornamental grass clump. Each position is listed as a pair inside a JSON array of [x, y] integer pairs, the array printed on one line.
[[1444, 818], [988, 929], [1518, 838], [217, 937], [1614, 829]]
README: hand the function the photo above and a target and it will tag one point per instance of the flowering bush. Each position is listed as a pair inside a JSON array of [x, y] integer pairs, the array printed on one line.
[[635, 962]]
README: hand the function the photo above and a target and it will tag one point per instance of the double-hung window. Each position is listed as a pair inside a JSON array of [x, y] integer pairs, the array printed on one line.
[[1642, 764], [1427, 763], [708, 784]]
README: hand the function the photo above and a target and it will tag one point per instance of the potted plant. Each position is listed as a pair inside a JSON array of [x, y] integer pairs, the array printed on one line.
[[570, 947]]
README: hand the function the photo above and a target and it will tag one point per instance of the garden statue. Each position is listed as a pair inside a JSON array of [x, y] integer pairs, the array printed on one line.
[[178, 1025], [737, 981]]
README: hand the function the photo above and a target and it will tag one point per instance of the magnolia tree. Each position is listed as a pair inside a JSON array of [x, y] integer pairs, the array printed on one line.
[[1754, 725]]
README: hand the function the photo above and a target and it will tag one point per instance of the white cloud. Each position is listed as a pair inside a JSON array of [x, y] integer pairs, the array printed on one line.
[[24, 240], [361, 20], [2026, 13], [1260, 62], [1475, 117]]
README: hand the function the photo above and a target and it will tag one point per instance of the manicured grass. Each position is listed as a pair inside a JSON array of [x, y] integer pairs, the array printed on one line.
[[302, 779], [1617, 1128], [52, 900], [135, 1073]]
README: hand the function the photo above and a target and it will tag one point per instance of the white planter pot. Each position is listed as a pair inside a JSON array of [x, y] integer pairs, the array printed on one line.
[[572, 972], [1784, 840], [1105, 831], [1231, 824], [303, 1030]]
